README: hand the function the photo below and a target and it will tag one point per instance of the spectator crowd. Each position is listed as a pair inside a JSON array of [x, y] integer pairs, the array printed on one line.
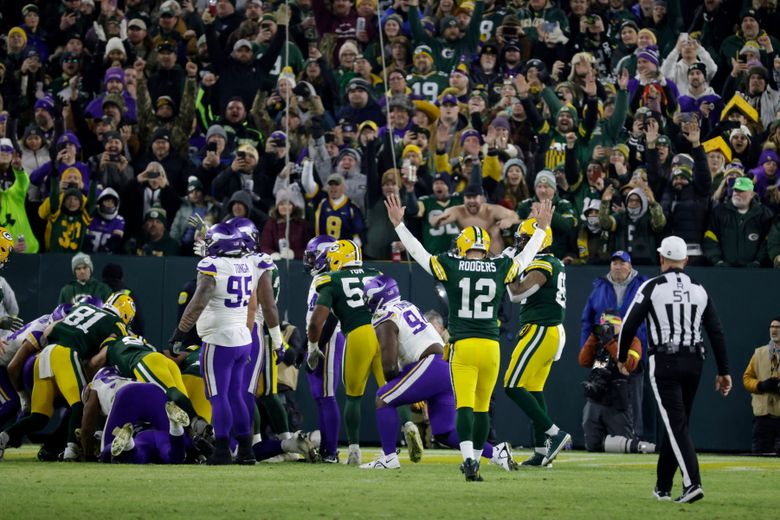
[[123, 120]]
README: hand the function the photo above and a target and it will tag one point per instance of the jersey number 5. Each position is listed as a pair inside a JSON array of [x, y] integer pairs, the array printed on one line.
[[241, 288], [485, 291]]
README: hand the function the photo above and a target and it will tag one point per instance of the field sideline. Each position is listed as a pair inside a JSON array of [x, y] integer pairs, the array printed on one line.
[[581, 485]]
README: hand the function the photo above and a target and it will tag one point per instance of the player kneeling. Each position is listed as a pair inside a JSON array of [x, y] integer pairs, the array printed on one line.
[[412, 360]]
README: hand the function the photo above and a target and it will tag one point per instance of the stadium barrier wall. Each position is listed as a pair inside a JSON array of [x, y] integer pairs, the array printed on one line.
[[746, 300]]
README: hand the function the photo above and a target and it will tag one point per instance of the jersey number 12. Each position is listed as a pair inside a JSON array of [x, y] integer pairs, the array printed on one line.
[[485, 292]]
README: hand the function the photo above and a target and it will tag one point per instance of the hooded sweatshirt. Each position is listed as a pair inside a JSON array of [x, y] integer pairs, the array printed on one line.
[[106, 229], [761, 179]]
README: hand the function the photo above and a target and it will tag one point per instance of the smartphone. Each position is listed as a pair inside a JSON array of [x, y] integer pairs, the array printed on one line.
[[113, 157], [509, 30], [212, 147], [152, 174], [241, 155]]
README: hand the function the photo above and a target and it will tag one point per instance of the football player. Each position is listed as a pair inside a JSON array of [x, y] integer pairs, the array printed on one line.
[[223, 307], [58, 368], [325, 360], [262, 371], [412, 358], [341, 292], [475, 284], [541, 292], [127, 403]]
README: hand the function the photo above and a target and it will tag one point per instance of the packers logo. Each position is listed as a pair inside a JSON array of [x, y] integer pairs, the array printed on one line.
[[8, 236], [447, 53], [753, 237]]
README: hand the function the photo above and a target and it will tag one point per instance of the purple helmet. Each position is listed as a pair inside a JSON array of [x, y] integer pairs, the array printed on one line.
[[224, 239], [90, 299], [248, 231], [379, 291], [61, 310], [316, 252]]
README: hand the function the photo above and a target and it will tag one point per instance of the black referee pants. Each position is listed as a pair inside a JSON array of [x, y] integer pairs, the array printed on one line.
[[674, 379]]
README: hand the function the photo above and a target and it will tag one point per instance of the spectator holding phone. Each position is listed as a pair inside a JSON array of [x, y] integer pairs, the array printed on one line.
[[111, 169], [242, 174], [214, 156], [150, 189]]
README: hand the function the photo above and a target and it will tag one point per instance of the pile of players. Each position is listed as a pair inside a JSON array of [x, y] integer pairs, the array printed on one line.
[[194, 401]]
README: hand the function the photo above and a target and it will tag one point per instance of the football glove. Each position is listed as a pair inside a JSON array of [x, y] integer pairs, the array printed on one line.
[[176, 341], [199, 248], [196, 221], [11, 323], [314, 355]]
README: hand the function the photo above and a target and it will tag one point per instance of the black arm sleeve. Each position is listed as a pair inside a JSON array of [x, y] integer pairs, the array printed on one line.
[[327, 331], [635, 315], [714, 330]]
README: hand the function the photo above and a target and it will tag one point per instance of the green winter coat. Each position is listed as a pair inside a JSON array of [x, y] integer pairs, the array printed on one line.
[[13, 215], [737, 239], [73, 289], [564, 221], [446, 55]]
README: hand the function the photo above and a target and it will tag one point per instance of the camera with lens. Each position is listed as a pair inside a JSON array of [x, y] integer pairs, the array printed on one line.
[[597, 386]]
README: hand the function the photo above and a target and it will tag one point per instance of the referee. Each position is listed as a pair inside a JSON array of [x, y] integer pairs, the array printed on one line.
[[675, 308]]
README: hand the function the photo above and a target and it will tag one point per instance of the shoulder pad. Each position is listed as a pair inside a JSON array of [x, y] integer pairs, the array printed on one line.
[[207, 266], [321, 280]]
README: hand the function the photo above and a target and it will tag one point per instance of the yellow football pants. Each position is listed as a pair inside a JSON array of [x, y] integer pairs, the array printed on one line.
[[267, 383], [474, 366], [196, 390], [159, 370], [361, 357], [68, 380], [533, 357]]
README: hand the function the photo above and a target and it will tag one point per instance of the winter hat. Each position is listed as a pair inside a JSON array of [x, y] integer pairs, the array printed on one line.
[[216, 130], [650, 54], [114, 73], [114, 44], [69, 137], [46, 103], [18, 30], [514, 162], [445, 178], [650, 33], [288, 75], [470, 132], [348, 46], [351, 152], [500, 122], [411, 148], [547, 177], [622, 148], [80, 259]]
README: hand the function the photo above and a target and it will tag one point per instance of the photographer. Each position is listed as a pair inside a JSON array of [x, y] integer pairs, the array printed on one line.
[[242, 174], [68, 149], [607, 419], [111, 169]]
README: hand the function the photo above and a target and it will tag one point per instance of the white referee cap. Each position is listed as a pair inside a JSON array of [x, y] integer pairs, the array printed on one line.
[[673, 248]]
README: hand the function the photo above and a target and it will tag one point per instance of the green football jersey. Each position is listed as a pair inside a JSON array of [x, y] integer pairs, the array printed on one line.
[[438, 239], [474, 292], [191, 364], [342, 292], [547, 306], [125, 353], [85, 328], [428, 86]]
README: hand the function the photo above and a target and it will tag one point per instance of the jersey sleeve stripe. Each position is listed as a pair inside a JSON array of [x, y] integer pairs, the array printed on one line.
[[543, 266], [438, 269], [322, 280], [512, 274]]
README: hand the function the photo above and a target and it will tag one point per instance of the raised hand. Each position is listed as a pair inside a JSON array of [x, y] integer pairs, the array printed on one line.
[[395, 211]]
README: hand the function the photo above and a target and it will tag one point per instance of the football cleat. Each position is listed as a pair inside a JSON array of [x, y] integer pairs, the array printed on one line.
[[306, 446], [72, 453], [555, 444], [470, 468], [413, 441], [123, 439], [662, 496], [502, 457], [354, 458], [3, 444], [535, 460], [690, 494], [176, 415], [383, 462], [331, 459]]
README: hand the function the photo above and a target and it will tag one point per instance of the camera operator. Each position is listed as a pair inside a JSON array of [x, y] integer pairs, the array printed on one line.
[[607, 419], [111, 169], [242, 174]]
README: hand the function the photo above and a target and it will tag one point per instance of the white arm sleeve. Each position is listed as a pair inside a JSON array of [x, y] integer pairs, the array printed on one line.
[[307, 178], [524, 257], [414, 247], [517, 298]]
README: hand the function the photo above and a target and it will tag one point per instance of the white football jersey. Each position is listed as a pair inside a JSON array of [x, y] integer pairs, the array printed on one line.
[[311, 302], [415, 332], [223, 321], [106, 384], [32, 332], [261, 262]]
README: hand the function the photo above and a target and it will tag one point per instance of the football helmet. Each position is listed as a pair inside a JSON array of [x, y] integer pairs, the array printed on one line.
[[473, 237], [121, 304], [223, 239], [379, 291], [60, 311], [526, 230], [315, 255], [344, 253], [248, 232], [6, 246]]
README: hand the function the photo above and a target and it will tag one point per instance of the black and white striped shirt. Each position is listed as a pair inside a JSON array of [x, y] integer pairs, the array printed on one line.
[[675, 308]]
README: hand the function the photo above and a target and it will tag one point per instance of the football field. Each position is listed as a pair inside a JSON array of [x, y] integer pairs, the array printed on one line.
[[581, 485]]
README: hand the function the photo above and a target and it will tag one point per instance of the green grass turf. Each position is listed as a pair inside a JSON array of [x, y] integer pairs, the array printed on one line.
[[581, 485]]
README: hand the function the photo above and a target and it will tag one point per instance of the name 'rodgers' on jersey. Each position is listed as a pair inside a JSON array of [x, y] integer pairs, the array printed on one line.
[[475, 288]]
